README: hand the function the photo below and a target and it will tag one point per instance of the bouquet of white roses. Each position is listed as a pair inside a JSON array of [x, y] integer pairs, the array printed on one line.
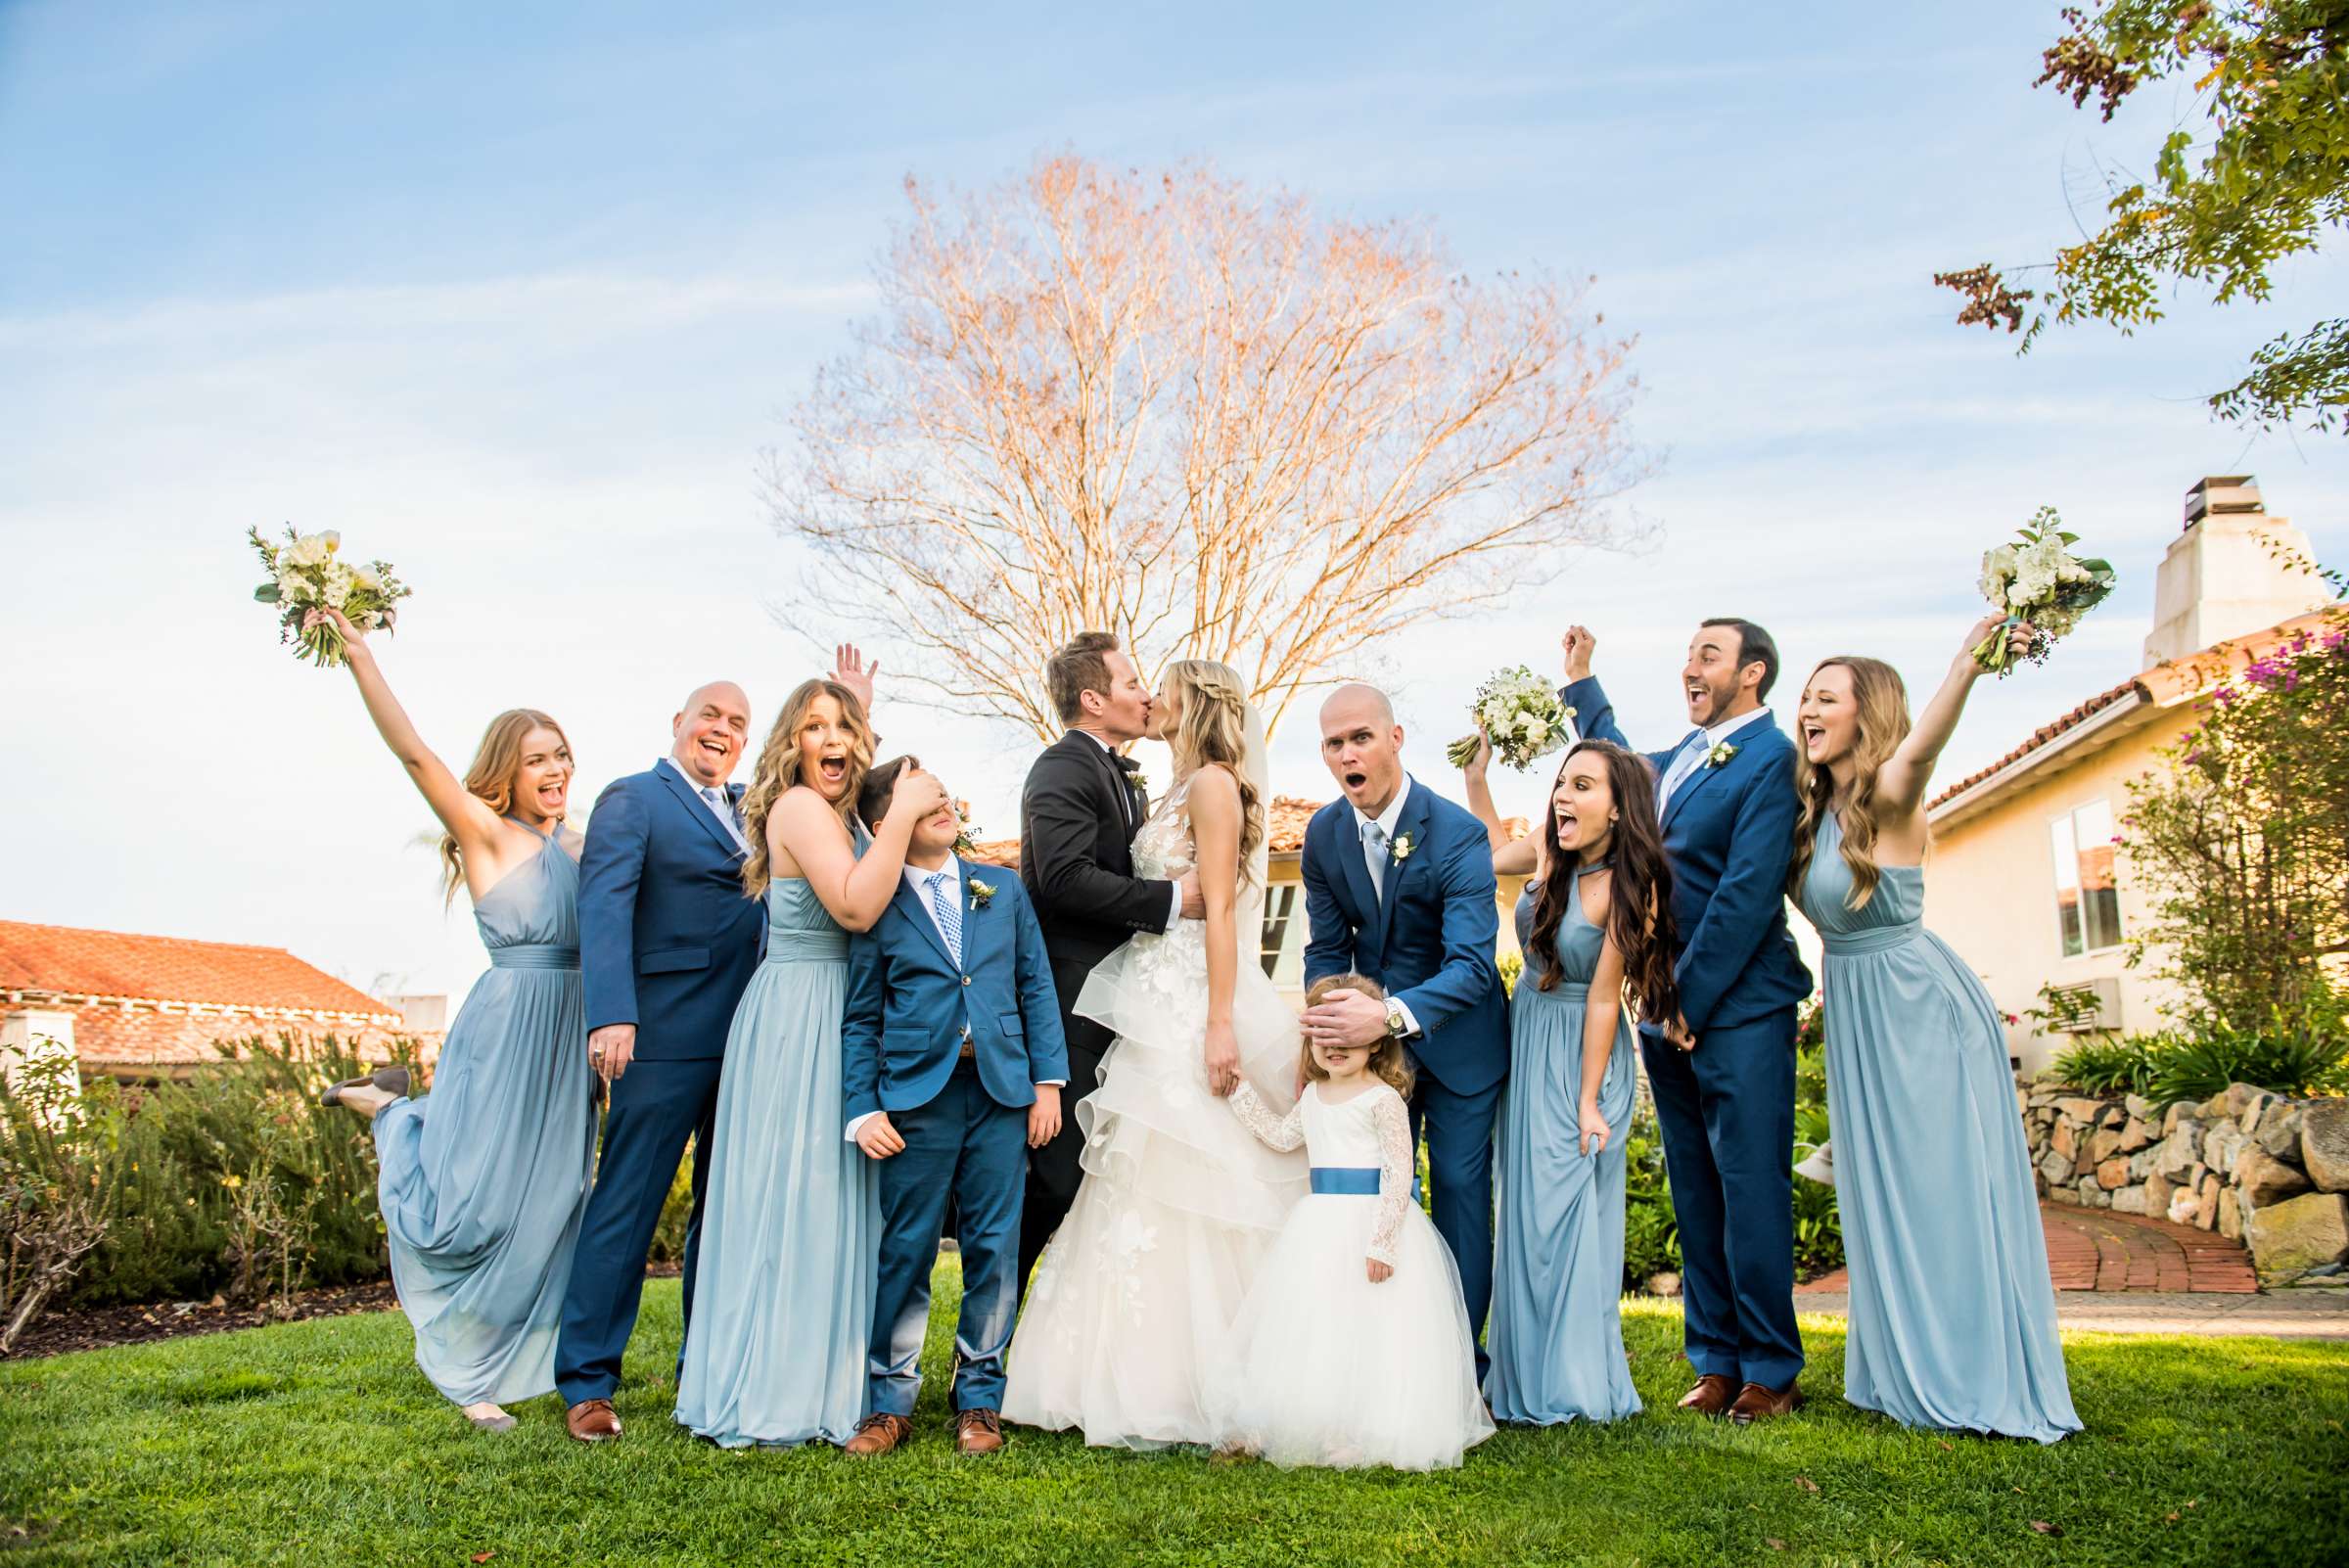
[[307, 573], [1522, 714], [2039, 580], [965, 845]]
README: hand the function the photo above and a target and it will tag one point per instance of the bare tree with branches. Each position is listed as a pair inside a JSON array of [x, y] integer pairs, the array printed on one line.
[[1197, 415]]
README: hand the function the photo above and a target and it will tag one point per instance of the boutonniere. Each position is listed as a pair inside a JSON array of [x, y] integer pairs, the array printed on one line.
[[1405, 844], [982, 894], [1720, 754]]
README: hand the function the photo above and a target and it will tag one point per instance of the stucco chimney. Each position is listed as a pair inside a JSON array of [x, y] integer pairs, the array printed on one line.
[[2235, 570]]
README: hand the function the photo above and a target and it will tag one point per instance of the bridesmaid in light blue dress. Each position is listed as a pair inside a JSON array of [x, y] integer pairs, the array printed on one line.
[[1953, 1313], [481, 1182], [1556, 1334], [782, 1316]]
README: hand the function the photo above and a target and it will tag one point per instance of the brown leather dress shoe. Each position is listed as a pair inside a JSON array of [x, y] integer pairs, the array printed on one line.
[[592, 1421], [1758, 1404], [978, 1431], [876, 1434], [1711, 1396]]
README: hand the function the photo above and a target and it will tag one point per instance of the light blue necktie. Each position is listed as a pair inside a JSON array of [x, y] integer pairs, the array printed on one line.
[[1683, 765], [1375, 856], [948, 912], [725, 812]]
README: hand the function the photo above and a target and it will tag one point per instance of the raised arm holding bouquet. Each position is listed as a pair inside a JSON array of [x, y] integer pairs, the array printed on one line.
[[2037, 583], [307, 573]]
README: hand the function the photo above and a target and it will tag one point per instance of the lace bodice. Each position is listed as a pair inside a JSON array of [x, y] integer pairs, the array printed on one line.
[[1372, 1129], [1162, 847]]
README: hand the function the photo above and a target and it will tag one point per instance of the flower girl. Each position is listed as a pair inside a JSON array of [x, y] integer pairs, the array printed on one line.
[[1355, 1266]]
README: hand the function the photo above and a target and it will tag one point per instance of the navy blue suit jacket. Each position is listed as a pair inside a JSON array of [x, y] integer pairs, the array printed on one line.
[[908, 1002], [1429, 942], [668, 936], [1728, 831]]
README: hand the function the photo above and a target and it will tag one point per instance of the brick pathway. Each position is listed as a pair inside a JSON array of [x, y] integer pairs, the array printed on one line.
[[2096, 1249]]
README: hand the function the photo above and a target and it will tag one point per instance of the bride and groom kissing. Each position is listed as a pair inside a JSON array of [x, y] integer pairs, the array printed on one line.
[[1185, 1259]]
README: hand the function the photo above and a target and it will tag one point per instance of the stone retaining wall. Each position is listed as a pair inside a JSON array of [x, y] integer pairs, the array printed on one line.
[[2254, 1167]]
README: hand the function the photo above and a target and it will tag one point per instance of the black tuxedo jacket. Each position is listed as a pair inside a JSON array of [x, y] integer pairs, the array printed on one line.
[[1077, 816]]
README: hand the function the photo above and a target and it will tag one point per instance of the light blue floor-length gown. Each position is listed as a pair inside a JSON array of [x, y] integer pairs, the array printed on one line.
[[1557, 1338], [481, 1181], [1953, 1314], [782, 1311]]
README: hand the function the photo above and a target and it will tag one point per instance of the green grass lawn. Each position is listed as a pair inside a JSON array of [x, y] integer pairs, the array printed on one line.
[[319, 1442]]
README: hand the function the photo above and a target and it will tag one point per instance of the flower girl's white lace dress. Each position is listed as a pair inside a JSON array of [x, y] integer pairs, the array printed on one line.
[[1327, 1369], [1133, 1302]]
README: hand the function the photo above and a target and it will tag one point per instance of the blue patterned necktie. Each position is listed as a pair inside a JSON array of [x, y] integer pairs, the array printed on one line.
[[948, 910]]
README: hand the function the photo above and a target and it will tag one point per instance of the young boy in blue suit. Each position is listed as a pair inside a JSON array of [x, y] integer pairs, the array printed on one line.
[[953, 1066]]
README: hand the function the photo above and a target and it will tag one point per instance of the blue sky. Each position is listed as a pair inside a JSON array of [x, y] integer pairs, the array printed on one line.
[[514, 296]]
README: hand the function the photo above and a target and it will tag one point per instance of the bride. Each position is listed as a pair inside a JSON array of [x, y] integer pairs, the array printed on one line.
[[1133, 1297]]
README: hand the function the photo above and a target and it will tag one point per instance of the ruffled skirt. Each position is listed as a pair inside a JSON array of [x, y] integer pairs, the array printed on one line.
[[1132, 1305]]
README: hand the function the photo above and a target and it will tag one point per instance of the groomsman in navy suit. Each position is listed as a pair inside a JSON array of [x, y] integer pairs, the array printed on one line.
[[953, 1067], [668, 941], [1724, 1080], [1398, 886]]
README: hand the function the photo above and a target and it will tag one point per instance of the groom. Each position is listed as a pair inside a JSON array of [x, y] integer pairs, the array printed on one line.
[[1077, 816], [1398, 886], [1724, 1080]]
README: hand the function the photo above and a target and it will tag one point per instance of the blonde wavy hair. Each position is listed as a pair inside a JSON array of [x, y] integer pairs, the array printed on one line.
[[778, 770], [1213, 728], [490, 780], [1881, 703]]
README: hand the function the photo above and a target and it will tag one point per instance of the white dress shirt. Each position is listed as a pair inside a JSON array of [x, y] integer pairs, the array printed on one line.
[[917, 881], [1378, 858], [724, 812], [1693, 751], [1175, 911]]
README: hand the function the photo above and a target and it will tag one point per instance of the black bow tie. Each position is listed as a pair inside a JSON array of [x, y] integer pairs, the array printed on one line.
[[1128, 763]]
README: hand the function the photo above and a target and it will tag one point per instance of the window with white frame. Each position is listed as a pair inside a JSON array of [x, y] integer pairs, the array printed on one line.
[[2088, 895]]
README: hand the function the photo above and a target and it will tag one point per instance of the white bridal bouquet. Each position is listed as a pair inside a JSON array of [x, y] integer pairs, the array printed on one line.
[[308, 573], [1521, 712], [2039, 580]]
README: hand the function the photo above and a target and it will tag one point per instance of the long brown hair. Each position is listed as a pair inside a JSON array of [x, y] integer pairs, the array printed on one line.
[[778, 770], [1880, 703], [1212, 726], [1640, 904], [490, 780], [1387, 1063]]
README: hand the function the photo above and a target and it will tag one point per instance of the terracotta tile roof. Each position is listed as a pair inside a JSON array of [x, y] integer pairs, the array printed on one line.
[[114, 1037], [2042, 735], [2166, 685], [171, 969], [1004, 852]]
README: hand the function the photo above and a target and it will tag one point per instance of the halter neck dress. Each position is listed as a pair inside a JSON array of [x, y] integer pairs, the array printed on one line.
[[1556, 1337]]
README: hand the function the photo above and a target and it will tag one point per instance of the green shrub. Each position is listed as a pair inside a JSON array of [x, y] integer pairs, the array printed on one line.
[[676, 1213], [61, 1168], [2107, 1067], [1651, 1231], [2297, 1057], [238, 1180]]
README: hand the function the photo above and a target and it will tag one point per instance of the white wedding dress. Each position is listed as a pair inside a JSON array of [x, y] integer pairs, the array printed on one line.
[[1132, 1305], [1326, 1367]]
